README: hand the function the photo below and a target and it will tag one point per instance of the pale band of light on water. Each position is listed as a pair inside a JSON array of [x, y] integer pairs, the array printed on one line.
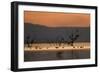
[[56, 47]]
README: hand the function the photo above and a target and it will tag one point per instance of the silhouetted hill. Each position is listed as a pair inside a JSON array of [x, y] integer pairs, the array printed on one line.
[[42, 33]]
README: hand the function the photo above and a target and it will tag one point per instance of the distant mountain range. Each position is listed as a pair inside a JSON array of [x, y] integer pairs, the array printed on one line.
[[42, 33]]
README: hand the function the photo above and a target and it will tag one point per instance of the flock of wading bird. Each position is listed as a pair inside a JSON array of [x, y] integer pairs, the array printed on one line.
[[73, 37], [56, 45]]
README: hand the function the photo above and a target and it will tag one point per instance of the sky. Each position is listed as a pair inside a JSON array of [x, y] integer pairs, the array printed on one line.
[[57, 19]]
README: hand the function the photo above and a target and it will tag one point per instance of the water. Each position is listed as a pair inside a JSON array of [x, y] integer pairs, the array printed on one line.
[[52, 53]]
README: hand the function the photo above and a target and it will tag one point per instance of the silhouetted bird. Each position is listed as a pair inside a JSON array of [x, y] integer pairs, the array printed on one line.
[[73, 38]]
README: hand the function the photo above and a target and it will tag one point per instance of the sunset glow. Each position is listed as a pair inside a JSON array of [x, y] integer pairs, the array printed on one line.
[[56, 19]]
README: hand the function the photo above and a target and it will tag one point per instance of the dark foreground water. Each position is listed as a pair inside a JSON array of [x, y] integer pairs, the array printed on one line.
[[55, 55]]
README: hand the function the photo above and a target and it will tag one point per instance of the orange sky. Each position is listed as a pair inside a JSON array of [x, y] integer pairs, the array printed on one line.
[[55, 19]]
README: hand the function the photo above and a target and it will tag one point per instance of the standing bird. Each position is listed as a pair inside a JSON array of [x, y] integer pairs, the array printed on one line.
[[73, 37]]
